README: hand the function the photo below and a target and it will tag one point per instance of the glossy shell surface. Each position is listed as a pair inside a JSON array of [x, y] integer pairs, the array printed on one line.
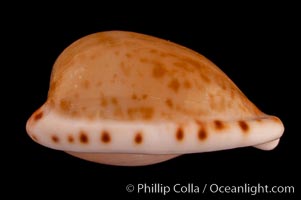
[[124, 92]]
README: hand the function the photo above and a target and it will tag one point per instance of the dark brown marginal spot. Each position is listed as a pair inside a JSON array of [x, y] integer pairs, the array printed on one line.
[[54, 138], [105, 137], [180, 134], [38, 116], [202, 134], [138, 138], [219, 125], [70, 139], [83, 137], [243, 126]]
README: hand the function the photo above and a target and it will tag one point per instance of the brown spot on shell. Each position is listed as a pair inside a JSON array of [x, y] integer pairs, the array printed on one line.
[[158, 70], [105, 137], [184, 66], [38, 115], [174, 85], [86, 84], [54, 138], [192, 62], [202, 134], [138, 138], [219, 125], [144, 96], [114, 101], [180, 134], [83, 137], [70, 139], [144, 112], [169, 103], [154, 51], [147, 112], [65, 105], [187, 84], [134, 96], [144, 60], [103, 102], [205, 78], [243, 126], [128, 55]]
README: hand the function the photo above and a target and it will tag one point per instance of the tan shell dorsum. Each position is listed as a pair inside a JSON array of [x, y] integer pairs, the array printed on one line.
[[124, 98]]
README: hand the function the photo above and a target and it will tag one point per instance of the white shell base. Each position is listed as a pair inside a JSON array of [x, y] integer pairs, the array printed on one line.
[[120, 159]]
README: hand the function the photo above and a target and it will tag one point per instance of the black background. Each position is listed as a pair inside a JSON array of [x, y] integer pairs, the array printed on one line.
[[256, 46]]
